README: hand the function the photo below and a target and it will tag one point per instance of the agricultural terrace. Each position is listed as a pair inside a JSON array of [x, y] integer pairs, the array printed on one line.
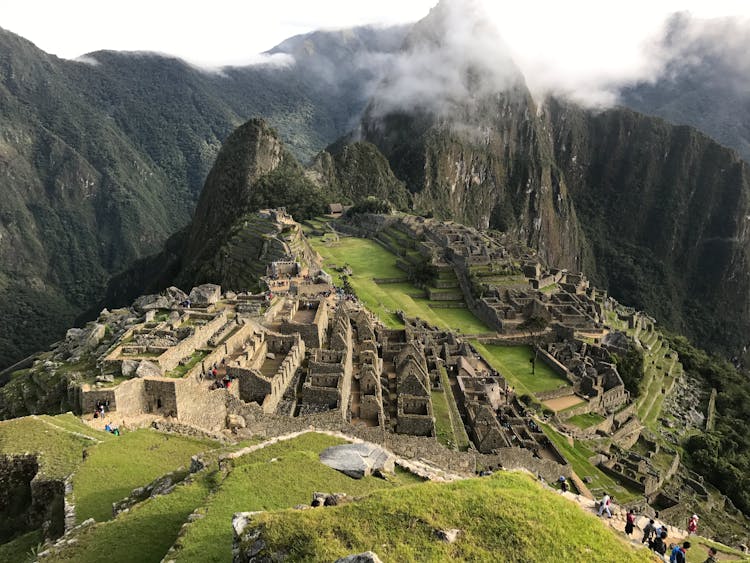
[[578, 456], [513, 363], [369, 261], [662, 369]]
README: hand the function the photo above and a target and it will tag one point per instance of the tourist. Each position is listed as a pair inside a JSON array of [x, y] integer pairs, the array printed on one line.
[[563, 483], [107, 428], [693, 524], [604, 505], [679, 554], [630, 524], [659, 545], [648, 531], [712, 553]]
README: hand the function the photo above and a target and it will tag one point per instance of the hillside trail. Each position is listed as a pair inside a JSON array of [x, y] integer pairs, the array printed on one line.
[[618, 520]]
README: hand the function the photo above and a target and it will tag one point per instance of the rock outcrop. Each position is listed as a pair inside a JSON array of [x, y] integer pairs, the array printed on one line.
[[358, 460]]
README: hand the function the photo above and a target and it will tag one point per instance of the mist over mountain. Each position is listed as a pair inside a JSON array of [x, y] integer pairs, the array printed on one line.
[[653, 212], [705, 79]]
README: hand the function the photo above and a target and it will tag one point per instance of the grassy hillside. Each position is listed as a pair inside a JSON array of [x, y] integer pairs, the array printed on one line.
[[506, 517], [277, 477]]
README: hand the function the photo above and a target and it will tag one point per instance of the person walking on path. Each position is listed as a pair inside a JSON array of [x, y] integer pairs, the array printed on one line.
[[630, 523], [679, 554], [648, 531], [693, 524], [712, 553], [604, 505]]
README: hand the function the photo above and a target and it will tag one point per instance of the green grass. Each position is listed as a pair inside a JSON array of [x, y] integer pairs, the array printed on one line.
[[698, 551], [459, 431], [506, 517], [142, 535], [114, 468], [578, 456], [19, 550], [368, 260], [443, 426], [513, 363], [71, 423], [257, 483], [60, 451], [586, 420], [182, 369]]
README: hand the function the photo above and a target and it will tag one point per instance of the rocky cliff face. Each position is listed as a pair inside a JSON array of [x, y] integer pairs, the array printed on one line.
[[654, 212], [665, 211], [472, 148]]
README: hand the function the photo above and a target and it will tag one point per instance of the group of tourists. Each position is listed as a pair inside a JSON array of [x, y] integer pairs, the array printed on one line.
[[220, 382], [112, 429], [655, 534], [101, 408]]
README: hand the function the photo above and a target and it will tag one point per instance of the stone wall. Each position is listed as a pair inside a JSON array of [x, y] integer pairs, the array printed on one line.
[[555, 393], [230, 346], [161, 396], [199, 339], [624, 414], [314, 333], [130, 397], [27, 500], [555, 366], [627, 435], [89, 398], [198, 406], [253, 387]]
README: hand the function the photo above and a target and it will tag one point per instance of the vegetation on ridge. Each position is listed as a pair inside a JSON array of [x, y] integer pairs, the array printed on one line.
[[505, 517]]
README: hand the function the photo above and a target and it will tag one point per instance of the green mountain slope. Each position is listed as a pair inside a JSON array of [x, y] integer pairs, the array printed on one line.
[[101, 161]]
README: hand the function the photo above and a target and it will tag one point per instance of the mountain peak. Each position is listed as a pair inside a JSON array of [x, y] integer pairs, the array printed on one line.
[[452, 57]]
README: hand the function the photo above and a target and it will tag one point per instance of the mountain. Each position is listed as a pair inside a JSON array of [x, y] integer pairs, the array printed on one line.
[[103, 158], [465, 138], [653, 212], [226, 242], [705, 79]]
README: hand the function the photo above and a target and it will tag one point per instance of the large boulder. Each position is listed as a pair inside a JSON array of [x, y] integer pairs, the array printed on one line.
[[358, 460], [148, 369], [235, 421], [150, 302], [128, 367], [206, 294], [95, 336], [176, 295]]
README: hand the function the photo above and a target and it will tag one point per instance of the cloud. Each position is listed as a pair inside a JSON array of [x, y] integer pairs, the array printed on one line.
[[87, 60], [585, 51], [452, 56], [714, 49]]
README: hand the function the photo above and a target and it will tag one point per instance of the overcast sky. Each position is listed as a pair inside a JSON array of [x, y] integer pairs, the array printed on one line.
[[570, 37]]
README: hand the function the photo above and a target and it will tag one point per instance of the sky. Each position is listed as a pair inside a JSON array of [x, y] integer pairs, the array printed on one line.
[[576, 45], [223, 32]]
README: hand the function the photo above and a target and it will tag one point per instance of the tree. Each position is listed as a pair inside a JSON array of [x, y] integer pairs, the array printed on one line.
[[534, 325]]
